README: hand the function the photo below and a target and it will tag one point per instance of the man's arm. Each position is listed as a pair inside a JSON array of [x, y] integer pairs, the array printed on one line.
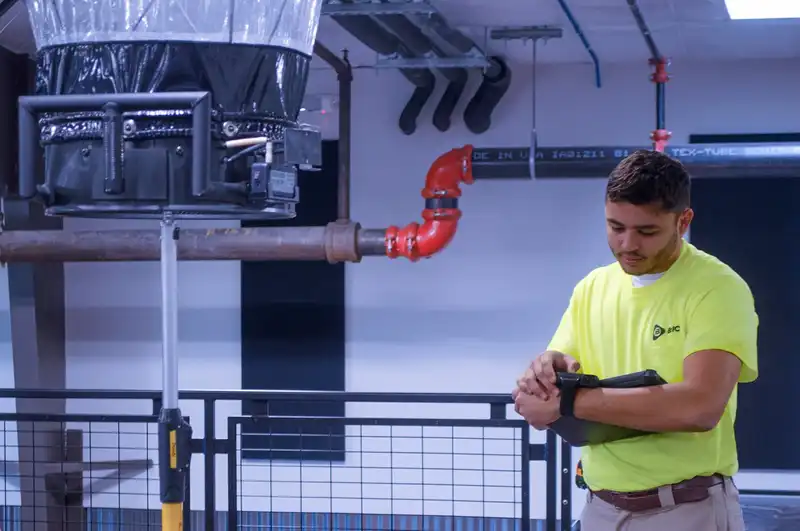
[[695, 404], [721, 346]]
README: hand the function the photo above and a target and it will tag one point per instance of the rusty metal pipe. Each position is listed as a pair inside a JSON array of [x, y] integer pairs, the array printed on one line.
[[336, 242], [344, 73]]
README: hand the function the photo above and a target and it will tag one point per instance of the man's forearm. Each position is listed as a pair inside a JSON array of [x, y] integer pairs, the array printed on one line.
[[664, 408]]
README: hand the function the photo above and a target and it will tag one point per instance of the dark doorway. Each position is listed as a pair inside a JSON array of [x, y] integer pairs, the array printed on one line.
[[754, 226], [293, 336]]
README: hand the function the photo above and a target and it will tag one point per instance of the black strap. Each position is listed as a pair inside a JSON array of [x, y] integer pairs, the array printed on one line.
[[569, 384]]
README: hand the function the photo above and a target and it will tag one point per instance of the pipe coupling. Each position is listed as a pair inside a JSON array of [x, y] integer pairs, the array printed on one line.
[[341, 241]]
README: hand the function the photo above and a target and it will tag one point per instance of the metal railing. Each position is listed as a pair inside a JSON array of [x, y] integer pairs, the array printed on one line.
[[458, 463]]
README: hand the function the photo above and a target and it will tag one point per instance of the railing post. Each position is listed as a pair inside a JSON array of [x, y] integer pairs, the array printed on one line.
[[210, 461], [551, 467], [233, 515], [525, 479], [187, 504], [566, 486], [73, 482]]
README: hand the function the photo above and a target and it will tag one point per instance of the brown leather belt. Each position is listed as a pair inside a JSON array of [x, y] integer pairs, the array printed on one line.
[[691, 490]]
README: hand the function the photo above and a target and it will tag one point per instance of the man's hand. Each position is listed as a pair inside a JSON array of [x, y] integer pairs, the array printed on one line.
[[536, 412], [540, 378]]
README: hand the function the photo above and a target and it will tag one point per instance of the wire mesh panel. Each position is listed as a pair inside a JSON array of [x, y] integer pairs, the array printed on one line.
[[396, 474], [78, 472]]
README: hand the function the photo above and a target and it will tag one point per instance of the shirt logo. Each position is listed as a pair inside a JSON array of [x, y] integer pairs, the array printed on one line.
[[659, 330]]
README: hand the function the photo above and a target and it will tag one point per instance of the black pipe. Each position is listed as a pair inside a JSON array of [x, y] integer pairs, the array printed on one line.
[[661, 106], [419, 44], [372, 35], [496, 76]]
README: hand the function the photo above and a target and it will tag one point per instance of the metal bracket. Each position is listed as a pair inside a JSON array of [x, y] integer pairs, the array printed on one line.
[[526, 33], [433, 62], [533, 34]]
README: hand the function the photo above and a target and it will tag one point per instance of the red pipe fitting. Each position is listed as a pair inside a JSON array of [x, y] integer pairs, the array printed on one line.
[[660, 137], [660, 75], [415, 241]]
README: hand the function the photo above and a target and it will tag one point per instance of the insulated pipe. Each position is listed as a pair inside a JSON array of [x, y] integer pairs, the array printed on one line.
[[344, 73], [372, 35], [419, 44], [495, 83], [337, 242]]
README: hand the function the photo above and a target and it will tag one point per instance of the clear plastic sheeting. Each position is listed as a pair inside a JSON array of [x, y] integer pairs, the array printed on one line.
[[283, 23]]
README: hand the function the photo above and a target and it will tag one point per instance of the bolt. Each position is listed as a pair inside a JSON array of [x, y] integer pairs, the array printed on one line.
[[179, 151], [564, 471], [230, 128], [85, 152], [565, 502], [129, 127]]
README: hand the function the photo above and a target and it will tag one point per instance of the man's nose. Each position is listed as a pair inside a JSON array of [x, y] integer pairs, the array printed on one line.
[[628, 242]]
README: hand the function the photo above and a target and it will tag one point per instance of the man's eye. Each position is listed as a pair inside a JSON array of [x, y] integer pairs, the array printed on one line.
[[648, 232], [617, 229]]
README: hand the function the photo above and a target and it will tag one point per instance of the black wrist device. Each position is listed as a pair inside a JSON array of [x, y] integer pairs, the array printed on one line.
[[569, 383]]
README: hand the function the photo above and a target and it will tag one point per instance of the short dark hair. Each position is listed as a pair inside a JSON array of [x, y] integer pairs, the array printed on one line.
[[645, 177]]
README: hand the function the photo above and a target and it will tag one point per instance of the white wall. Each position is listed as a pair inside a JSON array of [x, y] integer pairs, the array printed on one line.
[[501, 286]]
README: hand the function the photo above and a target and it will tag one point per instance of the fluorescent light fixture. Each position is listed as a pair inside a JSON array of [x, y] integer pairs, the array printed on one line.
[[762, 9]]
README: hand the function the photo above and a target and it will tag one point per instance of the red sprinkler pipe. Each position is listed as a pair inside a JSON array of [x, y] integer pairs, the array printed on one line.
[[441, 214], [660, 136]]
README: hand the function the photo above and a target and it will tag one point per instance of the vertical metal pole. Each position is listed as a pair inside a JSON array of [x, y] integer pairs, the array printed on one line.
[[345, 127], [534, 136], [169, 311], [173, 451]]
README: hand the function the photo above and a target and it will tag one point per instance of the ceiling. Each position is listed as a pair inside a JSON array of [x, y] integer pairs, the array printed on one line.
[[698, 30]]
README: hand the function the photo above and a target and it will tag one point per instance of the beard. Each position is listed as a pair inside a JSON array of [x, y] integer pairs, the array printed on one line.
[[656, 263]]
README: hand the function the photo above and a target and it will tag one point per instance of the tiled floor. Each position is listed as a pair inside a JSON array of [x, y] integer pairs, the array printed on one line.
[[764, 513]]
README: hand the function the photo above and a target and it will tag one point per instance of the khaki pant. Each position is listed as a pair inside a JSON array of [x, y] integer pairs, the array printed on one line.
[[721, 511]]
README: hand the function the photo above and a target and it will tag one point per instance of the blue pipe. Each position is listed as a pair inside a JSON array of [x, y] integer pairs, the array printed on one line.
[[585, 42]]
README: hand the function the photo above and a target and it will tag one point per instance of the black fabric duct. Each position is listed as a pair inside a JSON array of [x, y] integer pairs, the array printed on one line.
[[241, 78], [420, 45], [496, 77], [372, 35]]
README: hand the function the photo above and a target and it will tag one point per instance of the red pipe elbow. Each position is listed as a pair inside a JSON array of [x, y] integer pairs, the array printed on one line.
[[441, 214]]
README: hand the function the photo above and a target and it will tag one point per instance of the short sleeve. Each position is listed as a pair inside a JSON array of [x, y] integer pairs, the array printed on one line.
[[565, 339], [725, 319]]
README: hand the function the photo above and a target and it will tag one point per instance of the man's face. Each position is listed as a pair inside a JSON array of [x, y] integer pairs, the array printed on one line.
[[644, 238]]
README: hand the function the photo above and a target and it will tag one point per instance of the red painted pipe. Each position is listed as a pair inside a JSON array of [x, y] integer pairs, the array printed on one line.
[[415, 241]]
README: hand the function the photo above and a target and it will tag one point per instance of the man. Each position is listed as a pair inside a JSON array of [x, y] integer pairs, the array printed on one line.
[[663, 305]]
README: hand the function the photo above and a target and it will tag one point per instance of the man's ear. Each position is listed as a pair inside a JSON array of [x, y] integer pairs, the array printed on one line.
[[684, 220]]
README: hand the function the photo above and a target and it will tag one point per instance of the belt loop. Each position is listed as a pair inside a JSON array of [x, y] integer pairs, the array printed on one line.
[[727, 484], [665, 496]]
